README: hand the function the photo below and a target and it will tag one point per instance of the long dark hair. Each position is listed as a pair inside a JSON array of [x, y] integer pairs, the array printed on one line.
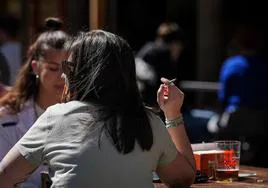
[[104, 74], [27, 85]]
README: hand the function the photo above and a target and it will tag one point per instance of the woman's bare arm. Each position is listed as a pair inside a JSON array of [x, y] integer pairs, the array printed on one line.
[[14, 169], [182, 170]]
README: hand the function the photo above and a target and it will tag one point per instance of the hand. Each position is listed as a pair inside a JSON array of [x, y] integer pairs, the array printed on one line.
[[170, 104]]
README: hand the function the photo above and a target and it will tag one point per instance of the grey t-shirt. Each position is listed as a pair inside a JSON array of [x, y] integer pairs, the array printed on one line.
[[66, 136]]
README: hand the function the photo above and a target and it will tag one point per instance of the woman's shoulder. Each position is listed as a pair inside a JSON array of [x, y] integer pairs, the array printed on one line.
[[5, 111], [235, 65], [69, 107], [236, 61], [155, 120], [7, 117]]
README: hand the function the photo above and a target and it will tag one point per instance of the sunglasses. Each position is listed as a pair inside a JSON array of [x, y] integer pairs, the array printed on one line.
[[67, 67]]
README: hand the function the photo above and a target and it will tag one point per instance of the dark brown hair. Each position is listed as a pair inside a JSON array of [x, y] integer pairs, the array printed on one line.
[[104, 74]]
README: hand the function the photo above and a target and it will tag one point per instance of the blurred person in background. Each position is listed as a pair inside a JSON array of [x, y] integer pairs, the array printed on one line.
[[10, 47], [161, 58], [158, 59], [38, 86], [243, 95], [103, 136]]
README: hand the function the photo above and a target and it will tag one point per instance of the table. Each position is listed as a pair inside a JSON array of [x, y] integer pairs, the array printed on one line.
[[259, 181]]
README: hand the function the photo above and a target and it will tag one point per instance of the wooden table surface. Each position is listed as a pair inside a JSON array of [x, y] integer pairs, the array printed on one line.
[[259, 181]]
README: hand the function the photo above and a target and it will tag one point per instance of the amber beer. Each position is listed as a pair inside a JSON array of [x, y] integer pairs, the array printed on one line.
[[226, 174], [227, 162]]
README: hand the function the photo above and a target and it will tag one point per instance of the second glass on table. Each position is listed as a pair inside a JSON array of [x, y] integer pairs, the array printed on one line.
[[227, 160]]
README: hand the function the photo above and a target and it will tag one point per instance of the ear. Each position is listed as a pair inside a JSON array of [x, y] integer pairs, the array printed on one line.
[[35, 66]]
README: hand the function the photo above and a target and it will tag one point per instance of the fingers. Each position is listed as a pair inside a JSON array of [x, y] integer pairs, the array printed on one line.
[[167, 81], [171, 89], [160, 95], [169, 97], [170, 83]]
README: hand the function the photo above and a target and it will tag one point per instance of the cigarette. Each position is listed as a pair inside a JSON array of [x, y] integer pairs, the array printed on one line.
[[172, 80]]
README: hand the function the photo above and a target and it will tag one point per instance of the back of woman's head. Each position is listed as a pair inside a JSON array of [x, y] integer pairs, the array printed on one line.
[[104, 64], [104, 74], [26, 85]]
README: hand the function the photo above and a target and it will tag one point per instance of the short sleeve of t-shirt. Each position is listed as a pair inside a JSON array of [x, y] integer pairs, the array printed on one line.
[[32, 144], [162, 140]]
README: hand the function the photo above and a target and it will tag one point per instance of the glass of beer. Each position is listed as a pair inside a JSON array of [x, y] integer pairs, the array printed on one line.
[[227, 160]]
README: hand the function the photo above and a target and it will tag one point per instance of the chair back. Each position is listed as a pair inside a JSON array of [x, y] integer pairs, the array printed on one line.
[[45, 180]]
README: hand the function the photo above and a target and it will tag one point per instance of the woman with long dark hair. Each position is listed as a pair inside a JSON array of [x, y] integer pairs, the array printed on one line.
[[103, 136]]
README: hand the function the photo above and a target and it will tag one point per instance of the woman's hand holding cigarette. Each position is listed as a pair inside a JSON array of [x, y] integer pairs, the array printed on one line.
[[170, 98]]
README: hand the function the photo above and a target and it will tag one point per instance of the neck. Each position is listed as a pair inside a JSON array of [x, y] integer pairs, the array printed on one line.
[[46, 100]]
